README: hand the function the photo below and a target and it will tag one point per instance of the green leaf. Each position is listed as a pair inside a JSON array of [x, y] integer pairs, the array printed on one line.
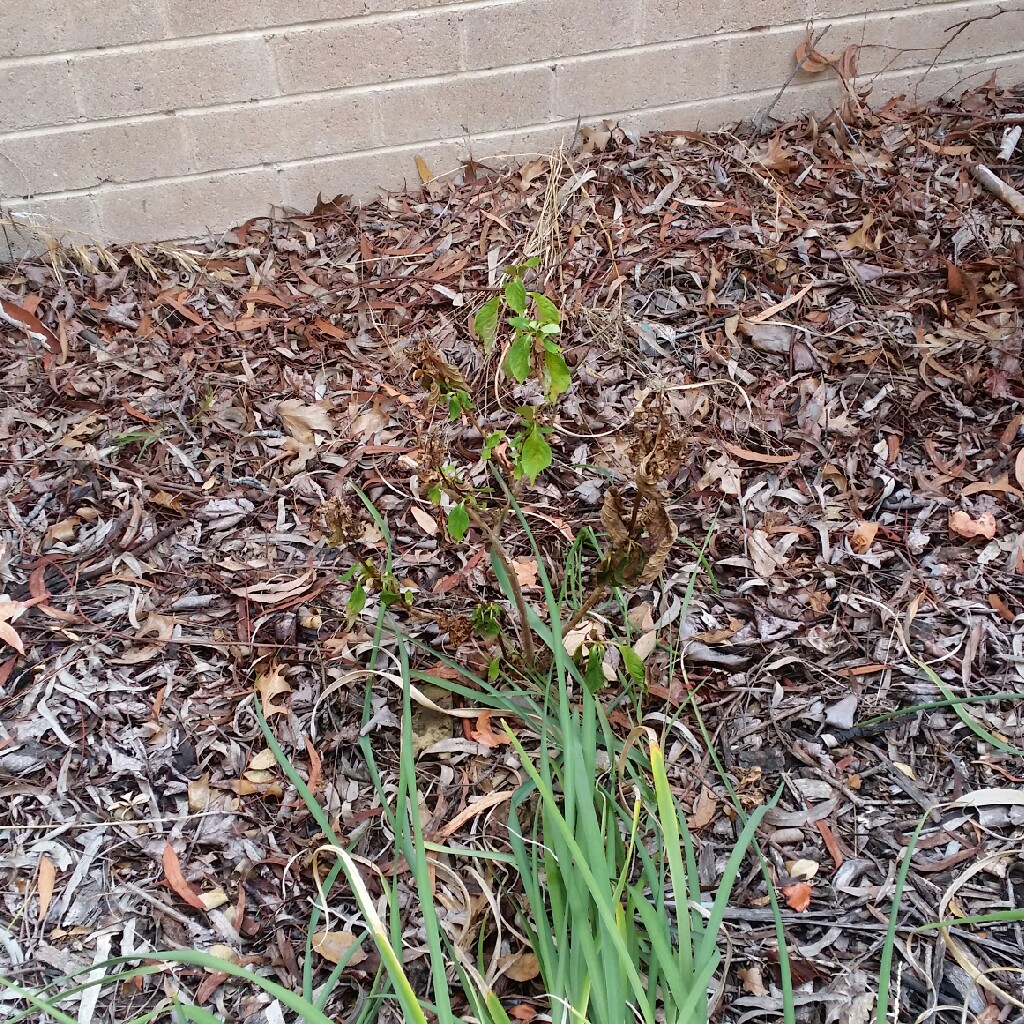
[[594, 676], [517, 362], [454, 406], [491, 442], [634, 666], [357, 602], [559, 379], [515, 295], [485, 324], [550, 329], [434, 494], [547, 311], [493, 669], [458, 521], [535, 455]]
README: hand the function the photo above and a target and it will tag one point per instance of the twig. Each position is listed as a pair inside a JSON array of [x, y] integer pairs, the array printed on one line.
[[762, 118], [1007, 193]]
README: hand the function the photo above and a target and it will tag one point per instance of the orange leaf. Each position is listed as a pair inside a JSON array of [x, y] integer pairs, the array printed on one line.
[[22, 319], [47, 876], [798, 895], [485, 735], [177, 881], [964, 525], [863, 536]]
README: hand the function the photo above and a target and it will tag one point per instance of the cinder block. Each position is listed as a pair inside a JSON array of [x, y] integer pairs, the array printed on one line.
[[764, 60], [666, 20], [282, 130], [366, 52], [188, 208], [92, 155], [189, 17], [161, 78], [36, 93], [29, 27], [463, 107], [633, 81], [537, 30], [363, 175], [69, 219]]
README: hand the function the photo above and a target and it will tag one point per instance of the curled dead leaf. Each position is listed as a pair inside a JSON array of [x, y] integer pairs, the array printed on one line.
[[812, 60], [301, 420], [964, 525], [269, 685], [798, 895], [863, 536], [483, 734]]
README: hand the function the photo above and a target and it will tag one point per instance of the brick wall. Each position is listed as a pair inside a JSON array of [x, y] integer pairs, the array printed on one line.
[[151, 119]]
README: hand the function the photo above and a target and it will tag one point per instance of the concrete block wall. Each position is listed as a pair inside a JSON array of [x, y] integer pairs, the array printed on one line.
[[155, 119]]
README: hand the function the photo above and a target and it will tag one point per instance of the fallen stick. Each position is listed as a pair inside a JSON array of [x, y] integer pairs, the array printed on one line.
[[1009, 195]]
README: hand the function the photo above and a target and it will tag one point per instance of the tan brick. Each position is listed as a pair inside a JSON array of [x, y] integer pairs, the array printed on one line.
[[35, 94], [824, 10], [631, 81], [270, 132], [666, 20], [187, 17], [764, 60], [366, 52], [535, 30], [189, 208], [54, 26], [454, 108], [91, 155], [909, 38], [362, 175], [70, 219], [163, 78]]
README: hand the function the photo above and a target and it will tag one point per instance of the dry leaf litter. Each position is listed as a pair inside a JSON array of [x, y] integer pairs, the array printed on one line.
[[834, 314]]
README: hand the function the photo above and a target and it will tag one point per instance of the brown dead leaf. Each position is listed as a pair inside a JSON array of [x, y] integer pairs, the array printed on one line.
[[751, 980], [1018, 467], [703, 810], [1001, 607], [811, 60], [526, 571], [427, 523], [177, 881], [483, 734], [861, 238], [798, 895], [301, 420], [964, 525], [863, 536], [46, 880], [520, 967], [425, 173], [269, 685], [335, 946], [10, 611]]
